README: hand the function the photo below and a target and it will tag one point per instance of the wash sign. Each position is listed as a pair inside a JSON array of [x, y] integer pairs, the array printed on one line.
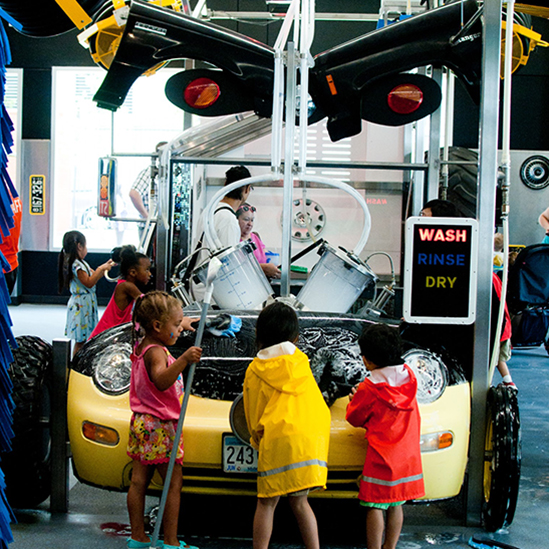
[[440, 262]]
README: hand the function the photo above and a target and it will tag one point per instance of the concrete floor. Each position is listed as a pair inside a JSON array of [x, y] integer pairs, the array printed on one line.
[[99, 519]]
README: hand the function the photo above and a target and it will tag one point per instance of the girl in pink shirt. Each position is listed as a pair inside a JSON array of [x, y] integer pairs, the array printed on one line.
[[156, 388]]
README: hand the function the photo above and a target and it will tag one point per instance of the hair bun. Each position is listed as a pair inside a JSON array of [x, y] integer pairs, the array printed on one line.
[[127, 252], [115, 254]]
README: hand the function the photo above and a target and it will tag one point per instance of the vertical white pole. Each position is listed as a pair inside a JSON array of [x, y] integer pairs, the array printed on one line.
[[289, 137], [489, 122]]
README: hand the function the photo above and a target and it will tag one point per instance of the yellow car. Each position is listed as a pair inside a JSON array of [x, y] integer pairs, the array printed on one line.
[[216, 461]]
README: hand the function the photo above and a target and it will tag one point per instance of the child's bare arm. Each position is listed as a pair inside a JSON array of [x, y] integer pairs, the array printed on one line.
[[91, 280], [164, 376], [125, 293], [191, 355], [544, 219], [186, 323]]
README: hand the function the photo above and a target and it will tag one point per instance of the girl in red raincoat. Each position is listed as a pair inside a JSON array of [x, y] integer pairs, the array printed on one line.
[[385, 405]]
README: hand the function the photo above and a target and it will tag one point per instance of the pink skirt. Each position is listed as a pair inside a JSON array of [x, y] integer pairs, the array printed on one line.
[[151, 439]]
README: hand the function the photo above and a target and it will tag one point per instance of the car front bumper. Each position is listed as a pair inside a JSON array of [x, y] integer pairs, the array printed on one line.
[[101, 460]]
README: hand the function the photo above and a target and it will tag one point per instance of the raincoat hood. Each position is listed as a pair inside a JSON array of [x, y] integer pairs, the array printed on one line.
[[287, 373], [396, 387]]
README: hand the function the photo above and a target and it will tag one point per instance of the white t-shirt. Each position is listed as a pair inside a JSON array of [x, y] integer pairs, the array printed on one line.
[[226, 226]]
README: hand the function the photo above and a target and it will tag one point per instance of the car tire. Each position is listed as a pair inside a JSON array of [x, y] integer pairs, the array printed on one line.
[[27, 466], [502, 460]]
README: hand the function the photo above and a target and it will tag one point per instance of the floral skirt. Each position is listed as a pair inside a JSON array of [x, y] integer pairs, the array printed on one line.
[[151, 439]]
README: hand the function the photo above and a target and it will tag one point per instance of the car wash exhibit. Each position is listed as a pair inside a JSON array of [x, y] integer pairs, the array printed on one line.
[[348, 147]]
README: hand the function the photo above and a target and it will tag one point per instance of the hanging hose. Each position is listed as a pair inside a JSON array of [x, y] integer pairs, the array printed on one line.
[[209, 210], [376, 307], [356, 195]]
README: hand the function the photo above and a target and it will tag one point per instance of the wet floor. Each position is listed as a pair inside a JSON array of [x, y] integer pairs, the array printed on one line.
[[98, 519]]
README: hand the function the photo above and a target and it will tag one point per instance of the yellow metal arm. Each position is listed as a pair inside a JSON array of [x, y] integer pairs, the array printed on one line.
[[75, 12]]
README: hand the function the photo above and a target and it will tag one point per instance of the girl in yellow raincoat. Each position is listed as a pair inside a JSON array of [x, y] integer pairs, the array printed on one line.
[[289, 424]]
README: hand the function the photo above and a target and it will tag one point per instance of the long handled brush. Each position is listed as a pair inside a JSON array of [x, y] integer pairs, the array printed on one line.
[[213, 268]]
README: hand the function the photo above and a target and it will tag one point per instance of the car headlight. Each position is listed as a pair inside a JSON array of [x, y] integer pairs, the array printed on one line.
[[431, 374], [112, 369]]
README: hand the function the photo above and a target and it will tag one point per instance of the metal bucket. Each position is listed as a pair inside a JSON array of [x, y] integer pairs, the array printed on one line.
[[241, 283], [237, 419], [335, 283]]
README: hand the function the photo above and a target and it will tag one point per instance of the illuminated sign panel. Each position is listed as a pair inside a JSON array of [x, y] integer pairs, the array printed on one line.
[[440, 270], [106, 204]]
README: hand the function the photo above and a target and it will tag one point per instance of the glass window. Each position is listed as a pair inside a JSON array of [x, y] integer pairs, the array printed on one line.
[[83, 133]]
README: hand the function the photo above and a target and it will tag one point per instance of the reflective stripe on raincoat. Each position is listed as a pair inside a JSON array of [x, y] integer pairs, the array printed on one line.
[[392, 469], [289, 423]]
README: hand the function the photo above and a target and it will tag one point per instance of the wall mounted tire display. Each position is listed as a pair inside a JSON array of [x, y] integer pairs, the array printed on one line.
[[502, 458], [28, 466], [534, 172]]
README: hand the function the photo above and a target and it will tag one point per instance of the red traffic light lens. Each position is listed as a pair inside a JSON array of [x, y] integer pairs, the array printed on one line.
[[201, 93], [405, 98]]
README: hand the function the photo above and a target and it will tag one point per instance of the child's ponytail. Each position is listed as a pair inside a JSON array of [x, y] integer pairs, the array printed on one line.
[[67, 256], [61, 272], [138, 331]]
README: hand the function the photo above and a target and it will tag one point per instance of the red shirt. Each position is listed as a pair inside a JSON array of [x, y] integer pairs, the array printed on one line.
[[10, 243], [506, 330], [113, 316]]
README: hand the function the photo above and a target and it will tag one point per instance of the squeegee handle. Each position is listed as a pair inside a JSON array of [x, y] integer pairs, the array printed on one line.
[[179, 430], [305, 251]]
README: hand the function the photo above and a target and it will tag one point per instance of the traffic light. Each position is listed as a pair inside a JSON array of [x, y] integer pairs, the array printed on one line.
[[154, 35], [370, 78], [366, 79], [213, 92]]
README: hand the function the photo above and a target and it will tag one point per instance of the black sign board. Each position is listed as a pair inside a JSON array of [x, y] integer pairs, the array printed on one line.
[[37, 202], [440, 270]]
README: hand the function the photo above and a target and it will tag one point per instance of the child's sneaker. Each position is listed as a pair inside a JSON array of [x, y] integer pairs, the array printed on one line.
[[510, 384], [182, 545], [133, 544]]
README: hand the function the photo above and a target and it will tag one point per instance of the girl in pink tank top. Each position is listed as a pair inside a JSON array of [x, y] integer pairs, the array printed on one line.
[[155, 398]]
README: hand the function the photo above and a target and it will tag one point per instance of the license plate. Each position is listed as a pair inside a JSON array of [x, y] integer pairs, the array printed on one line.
[[237, 456]]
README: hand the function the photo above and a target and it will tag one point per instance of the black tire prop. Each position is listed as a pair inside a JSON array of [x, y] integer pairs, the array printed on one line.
[[28, 466], [502, 458]]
